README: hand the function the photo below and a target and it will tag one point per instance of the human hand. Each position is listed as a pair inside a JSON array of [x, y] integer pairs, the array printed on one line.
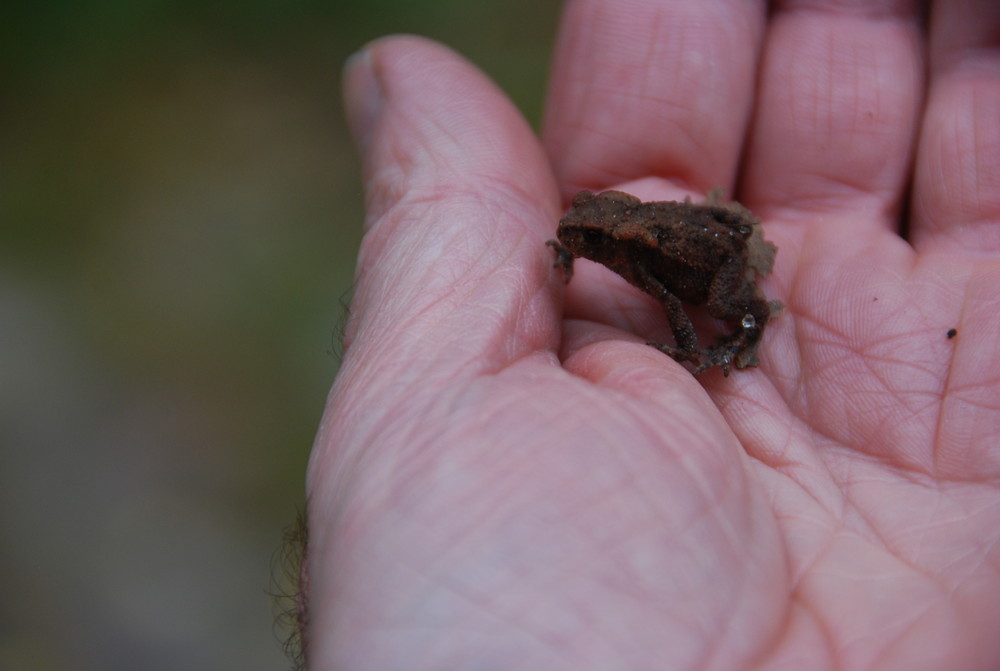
[[502, 483]]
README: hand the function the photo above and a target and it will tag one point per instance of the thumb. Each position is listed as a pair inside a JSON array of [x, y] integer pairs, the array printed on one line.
[[460, 199]]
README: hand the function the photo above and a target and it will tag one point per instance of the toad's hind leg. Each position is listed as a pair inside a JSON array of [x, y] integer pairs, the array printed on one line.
[[680, 323], [739, 348]]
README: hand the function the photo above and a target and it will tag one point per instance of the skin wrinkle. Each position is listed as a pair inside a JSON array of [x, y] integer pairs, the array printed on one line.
[[856, 523], [711, 502], [870, 524], [597, 130], [429, 145], [955, 135], [807, 569], [890, 647], [831, 499], [621, 299], [711, 508], [776, 457], [444, 128], [955, 563], [418, 465], [988, 144], [903, 545], [616, 536], [894, 350], [893, 547], [394, 230], [810, 461], [974, 47], [950, 476], [916, 541], [992, 556], [796, 438], [854, 60], [808, 206], [467, 198], [630, 100], [955, 393], [979, 156], [982, 386], [362, 427], [837, 354], [952, 139], [863, 636], [920, 452], [850, 191], [866, 438], [714, 504], [887, 374], [623, 584], [651, 56], [382, 425], [826, 375], [791, 470], [805, 562], [739, 601], [782, 633], [418, 289], [834, 651], [488, 607], [864, 8], [525, 320], [694, 137], [692, 76], [798, 397]]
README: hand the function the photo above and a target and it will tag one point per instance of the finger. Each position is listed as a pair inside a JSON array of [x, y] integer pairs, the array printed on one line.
[[650, 88], [957, 182], [453, 268], [840, 88]]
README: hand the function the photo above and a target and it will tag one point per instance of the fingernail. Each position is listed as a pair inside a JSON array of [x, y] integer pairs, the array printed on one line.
[[362, 96]]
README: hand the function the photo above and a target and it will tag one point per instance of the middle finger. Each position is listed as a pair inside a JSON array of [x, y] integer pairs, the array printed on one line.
[[650, 88]]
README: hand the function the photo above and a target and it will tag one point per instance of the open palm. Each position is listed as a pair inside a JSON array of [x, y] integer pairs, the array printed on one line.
[[507, 477]]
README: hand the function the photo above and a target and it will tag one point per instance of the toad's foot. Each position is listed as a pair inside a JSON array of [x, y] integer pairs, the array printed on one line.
[[564, 259], [735, 353], [717, 356], [732, 351]]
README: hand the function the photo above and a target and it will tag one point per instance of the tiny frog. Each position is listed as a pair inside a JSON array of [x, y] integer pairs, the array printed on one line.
[[706, 254]]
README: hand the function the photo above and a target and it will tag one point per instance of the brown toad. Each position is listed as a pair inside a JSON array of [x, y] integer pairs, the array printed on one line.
[[701, 254]]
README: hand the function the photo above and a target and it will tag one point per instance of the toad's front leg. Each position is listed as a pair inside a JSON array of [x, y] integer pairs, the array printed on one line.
[[564, 259]]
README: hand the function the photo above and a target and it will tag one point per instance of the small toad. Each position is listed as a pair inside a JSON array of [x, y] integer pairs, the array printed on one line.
[[707, 254]]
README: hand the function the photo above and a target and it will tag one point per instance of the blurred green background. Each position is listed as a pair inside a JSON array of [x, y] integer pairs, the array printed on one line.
[[181, 210]]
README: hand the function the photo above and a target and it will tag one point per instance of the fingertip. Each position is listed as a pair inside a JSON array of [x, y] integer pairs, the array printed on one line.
[[363, 86], [362, 96], [422, 113]]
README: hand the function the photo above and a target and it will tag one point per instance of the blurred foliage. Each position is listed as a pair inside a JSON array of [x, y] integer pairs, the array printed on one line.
[[180, 216]]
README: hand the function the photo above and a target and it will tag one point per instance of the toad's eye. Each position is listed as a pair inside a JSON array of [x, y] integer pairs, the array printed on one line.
[[592, 236]]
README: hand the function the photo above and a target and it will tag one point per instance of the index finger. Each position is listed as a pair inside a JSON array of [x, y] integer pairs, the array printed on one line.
[[650, 88]]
